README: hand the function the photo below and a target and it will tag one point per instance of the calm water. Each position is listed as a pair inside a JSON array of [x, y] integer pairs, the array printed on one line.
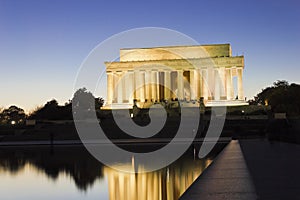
[[70, 172]]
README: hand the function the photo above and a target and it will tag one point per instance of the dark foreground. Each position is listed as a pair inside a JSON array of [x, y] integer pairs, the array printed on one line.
[[274, 167], [236, 127], [251, 169]]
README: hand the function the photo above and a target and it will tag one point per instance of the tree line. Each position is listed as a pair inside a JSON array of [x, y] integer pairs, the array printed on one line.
[[51, 110], [281, 96]]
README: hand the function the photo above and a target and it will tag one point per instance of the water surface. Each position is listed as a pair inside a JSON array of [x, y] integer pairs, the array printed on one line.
[[70, 172]]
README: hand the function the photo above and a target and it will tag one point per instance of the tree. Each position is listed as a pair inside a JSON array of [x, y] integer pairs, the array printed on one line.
[[13, 115], [86, 100], [281, 83], [52, 111], [99, 102], [84, 104], [49, 111], [282, 97], [82, 99]]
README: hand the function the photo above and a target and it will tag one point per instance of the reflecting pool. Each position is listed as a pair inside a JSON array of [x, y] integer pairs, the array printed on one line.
[[70, 172]]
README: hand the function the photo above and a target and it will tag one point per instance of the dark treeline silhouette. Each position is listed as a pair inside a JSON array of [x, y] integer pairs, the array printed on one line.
[[12, 115], [74, 161], [52, 111], [282, 97], [82, 99]]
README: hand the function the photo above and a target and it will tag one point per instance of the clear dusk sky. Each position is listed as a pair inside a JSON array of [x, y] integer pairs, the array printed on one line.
[[43, 43]]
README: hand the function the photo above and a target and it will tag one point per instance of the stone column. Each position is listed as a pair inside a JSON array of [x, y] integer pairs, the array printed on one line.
[[148, 85], [216, 85], [193, 84], [129, 84], [210, 80], [110, 87], [240, 84], [204, 84], [154, 85], [124, 79], [115, 87], [173, 84], [180, 85], [142, 85], [136, 85], [157, 86], [119, 88], [199, 84], [229, 86], [222, 84], [167, 84]]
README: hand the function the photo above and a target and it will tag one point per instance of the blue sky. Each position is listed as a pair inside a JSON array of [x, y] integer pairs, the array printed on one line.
[[43, 43]]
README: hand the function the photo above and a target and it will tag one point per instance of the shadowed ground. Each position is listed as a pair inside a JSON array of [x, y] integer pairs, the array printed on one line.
[[274, 167]]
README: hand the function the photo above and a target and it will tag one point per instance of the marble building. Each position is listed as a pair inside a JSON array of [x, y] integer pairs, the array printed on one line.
[[183, 73]]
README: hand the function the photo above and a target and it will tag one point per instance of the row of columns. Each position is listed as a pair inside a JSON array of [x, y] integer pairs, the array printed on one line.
[[155, 85]]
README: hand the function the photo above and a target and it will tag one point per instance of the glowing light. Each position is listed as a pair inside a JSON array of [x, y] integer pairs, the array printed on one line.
[[266, 102]]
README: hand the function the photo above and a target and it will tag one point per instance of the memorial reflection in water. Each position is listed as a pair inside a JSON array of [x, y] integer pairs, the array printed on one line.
[[31, 170]]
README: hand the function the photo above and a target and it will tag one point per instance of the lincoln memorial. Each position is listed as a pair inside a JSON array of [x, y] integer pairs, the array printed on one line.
[[146, 76]]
